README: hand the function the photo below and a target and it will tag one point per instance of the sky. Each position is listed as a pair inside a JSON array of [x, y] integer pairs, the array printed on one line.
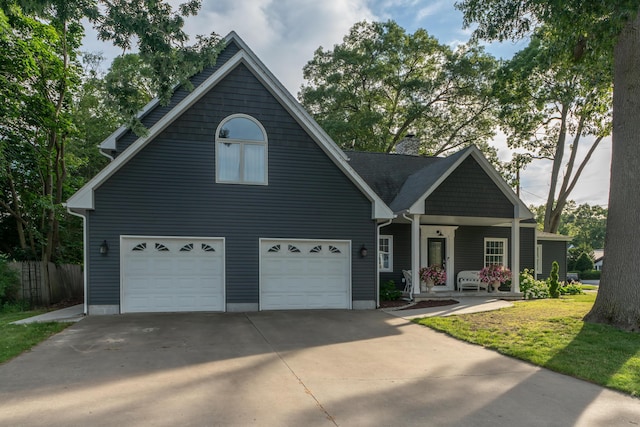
[[285, 33]]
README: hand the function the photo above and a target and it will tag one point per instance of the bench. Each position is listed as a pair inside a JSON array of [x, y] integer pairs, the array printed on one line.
[[470, 279]]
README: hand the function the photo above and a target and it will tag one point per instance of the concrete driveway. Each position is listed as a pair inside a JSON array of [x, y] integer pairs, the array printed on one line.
[[304, 368]]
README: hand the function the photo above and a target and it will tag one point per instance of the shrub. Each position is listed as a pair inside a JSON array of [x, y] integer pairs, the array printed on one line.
[[9, 283], [584, 262], [389, 292], [590, 275], [571, 289], [553, 280], [532, 288]]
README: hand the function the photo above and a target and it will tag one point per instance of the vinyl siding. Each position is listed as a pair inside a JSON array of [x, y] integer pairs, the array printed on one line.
[[401, 252], [553, 251], [469, 246], [169, 188], [469, 191], [153, 116]]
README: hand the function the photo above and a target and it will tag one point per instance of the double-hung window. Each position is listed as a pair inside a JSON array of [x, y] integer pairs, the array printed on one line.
[[241, 151], [385, 253], [495, 251]]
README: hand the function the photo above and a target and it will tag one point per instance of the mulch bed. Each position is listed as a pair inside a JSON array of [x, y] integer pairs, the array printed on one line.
[[406, 305]]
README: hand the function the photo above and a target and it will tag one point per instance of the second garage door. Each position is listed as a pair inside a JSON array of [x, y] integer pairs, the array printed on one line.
[[304, 274], [168, 274]]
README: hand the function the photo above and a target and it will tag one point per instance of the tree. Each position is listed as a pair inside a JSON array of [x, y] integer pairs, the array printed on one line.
[[546, 100], [41, 76], [589, 30], [586, 224], [584, 262], [382, 83]]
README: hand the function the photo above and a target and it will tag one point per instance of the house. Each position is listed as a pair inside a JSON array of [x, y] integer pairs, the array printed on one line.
[[598, 258], [551, 247], [236, 200]]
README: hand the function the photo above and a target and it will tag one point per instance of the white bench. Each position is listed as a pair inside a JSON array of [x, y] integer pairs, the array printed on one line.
[[469, 279]]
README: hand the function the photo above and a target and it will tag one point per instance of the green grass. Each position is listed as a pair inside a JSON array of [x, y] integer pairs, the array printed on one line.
[[589, 287], [16, 339], [551, 333]]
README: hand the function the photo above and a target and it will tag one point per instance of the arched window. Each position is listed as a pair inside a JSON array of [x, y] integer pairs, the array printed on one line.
[[241, 151]]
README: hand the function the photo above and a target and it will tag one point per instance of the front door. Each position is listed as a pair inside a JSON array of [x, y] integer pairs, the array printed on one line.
[[436, 253]]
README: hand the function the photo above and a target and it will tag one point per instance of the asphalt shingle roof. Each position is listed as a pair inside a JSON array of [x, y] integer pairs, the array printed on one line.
[[400, 179]]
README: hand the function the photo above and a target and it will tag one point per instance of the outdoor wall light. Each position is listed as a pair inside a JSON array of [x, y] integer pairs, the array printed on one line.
[[363, 251], [104, 248]]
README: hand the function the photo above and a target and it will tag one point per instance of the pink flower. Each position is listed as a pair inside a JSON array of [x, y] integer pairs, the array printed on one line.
[[495, 273], [435, 273]]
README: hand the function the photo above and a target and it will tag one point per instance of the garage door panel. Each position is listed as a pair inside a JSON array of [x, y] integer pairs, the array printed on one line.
[[298, 274], [172, 274]]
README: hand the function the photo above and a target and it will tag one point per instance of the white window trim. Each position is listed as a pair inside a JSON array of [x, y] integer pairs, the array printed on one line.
[[390, 238], [538, 259], [505, 255], [242, 143]]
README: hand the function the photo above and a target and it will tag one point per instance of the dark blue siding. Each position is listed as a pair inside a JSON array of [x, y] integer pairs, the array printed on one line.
[[469, 246], [169, 188], [153, 116], [469, 191], [553, 250], [401, 252]]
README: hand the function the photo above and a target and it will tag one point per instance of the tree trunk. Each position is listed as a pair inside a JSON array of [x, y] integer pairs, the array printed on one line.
[[618, 300]]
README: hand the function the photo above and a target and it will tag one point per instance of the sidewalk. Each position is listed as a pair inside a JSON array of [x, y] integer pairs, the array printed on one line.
[[465, 305], [70, 314]]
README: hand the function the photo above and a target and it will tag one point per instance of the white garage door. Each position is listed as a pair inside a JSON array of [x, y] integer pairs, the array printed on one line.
[[168, 274], [301, 274]]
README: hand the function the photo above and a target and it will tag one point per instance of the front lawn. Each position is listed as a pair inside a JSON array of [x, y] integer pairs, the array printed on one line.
[[15, 339], [551, 333]]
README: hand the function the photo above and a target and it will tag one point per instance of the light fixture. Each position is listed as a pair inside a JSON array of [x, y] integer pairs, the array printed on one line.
[[363, 251], [104, 248], [439, 233]]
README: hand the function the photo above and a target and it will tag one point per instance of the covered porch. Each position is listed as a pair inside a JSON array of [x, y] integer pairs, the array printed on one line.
[[457, 244]]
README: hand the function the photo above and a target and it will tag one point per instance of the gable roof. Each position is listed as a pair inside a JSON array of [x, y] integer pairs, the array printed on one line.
[[83, 198], [404, 181]]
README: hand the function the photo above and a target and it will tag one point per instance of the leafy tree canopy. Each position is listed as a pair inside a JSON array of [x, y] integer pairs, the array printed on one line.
[[381, 83]]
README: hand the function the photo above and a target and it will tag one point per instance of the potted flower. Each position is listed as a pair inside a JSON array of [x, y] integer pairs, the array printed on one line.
[[495, 275], [431, 276]]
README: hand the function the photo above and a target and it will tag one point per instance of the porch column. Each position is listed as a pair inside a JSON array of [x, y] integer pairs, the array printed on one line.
[[415, 254], [515, 251]]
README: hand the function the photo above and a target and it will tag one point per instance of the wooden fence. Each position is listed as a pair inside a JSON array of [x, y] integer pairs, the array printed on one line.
[[62, 282]]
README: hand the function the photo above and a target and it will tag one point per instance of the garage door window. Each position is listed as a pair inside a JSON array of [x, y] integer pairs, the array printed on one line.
[[241, 151]]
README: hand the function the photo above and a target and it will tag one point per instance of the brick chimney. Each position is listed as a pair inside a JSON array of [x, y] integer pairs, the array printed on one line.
[[408, 145]]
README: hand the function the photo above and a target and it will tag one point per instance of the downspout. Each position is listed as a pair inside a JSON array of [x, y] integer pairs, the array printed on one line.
[[415, 256], [108, 156], [84, 252], [384, 224]]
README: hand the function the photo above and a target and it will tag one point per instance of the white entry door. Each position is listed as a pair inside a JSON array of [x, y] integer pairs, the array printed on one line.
[[169, 274], [304, 274]]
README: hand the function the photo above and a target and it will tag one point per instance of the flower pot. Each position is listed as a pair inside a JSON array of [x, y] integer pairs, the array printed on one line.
[[495, 285], [426, 286]]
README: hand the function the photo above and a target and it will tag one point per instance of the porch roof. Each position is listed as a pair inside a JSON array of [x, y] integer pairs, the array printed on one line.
[[403, 182]]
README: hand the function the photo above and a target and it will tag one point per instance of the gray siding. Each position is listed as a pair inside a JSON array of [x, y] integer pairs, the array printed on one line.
[[469, 191], [553, 250], [469, 249], [153, 116], [169, 188], [401, 252]]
